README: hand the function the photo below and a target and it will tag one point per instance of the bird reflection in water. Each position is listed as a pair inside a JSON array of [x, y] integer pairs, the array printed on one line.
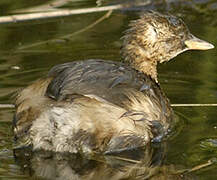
[[140, 164]]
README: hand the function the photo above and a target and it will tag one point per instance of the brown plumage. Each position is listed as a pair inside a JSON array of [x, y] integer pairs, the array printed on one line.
[[105, 106]]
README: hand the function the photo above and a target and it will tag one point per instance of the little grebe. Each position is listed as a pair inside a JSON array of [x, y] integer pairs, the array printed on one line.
[[106, 106]]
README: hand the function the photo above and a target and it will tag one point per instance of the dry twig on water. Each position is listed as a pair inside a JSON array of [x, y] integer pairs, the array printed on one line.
[[53, 14], [2, 106], [193, 105], [196, 168], [65, 12], [174, 105]]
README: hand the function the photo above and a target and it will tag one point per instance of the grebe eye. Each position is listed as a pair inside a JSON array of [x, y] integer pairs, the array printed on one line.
[[174, 21]]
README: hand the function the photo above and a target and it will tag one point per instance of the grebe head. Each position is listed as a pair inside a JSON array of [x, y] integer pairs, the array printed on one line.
[[154, 38]]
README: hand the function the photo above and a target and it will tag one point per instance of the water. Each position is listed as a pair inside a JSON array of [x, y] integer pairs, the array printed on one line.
[[190, 78]]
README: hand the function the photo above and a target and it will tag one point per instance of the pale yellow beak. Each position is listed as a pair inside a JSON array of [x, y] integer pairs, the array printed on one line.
[[197, 44]]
